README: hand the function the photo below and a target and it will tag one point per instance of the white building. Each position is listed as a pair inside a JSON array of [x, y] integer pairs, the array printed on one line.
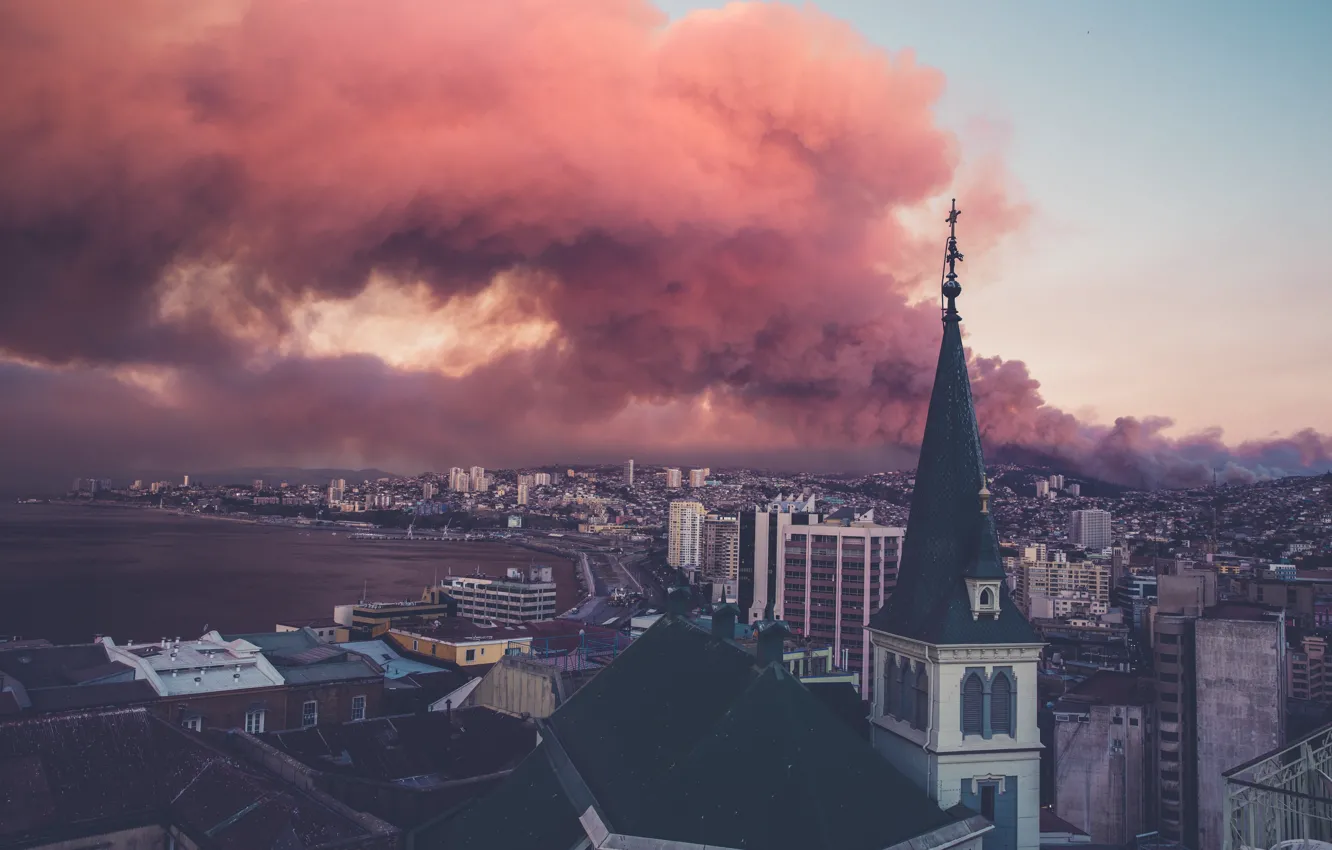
[[672, 479], [684, 542], [477, 478], [629, 472], [1090, 529], [522, 494], [956, 659], [517, 599], [698, 477]]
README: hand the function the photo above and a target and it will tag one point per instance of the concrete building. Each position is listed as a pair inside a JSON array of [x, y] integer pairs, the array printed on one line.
[[337, 488], [957, 659], [834, 575], [1188, 592], [1046, 573], [1103, 757], [1309, 668], [1241, 701], [628, 475], [698, 477], [1042, 488], [1090, 529], [523, 494], [477, 478], [721, 547], [672, 479], [760, 532], [459, 480], [428, 490], [522, 597], [684, 535]]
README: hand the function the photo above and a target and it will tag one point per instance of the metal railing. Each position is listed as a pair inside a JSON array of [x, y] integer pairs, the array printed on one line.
[[571, 652], [1283, 799]]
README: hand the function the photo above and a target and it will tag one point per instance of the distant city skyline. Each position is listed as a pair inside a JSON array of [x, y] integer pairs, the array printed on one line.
[[722, 244]]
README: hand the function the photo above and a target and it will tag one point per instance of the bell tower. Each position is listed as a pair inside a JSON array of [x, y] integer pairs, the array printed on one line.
[[957, 661]]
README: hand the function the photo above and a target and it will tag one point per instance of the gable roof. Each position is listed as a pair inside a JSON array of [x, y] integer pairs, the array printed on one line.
[[946, 535], [684, 738]]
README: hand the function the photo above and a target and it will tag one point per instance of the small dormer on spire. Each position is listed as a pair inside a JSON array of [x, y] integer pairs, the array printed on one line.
[[984, 496], [986, 571]]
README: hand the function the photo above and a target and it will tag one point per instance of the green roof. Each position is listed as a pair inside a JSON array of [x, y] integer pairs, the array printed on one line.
[[947, 536], [684, 738]]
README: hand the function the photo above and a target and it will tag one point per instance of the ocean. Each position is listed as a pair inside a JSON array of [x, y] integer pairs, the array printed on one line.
[[70, 573]]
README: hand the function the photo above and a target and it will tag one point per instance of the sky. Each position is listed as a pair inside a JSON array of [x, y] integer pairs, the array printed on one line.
[[418, 236], [1176, 159]]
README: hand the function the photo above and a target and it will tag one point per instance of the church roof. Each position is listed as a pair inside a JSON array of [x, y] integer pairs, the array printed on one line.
[[947, 536], [685, 738]]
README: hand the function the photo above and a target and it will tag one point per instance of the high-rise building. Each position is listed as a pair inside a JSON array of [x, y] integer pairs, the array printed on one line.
[[721, 547], [477, 478], [684, 541], [1042, 488], [1074, 489], [459, 480], [629, 472], [760, 531], [1214, 671], [835, 574], [186, 482], [698, 477], [673, 479], [138, 484], [1090, 529], [337, 489], [956, 659], [1056, 482], [1050, 574], [541, 479], [522, 494], [428, 490], [257, 485]]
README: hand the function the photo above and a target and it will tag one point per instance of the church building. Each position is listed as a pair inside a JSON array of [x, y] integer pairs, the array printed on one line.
[[955, 660]]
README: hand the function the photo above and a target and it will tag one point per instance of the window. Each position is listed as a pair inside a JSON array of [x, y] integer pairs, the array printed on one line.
[[973, 693], [254, 721], [471, 655], [309, 714], [987, 802], [890, 683], [922, 713], [906, 706], [1169, 638], [358, 708], [1001, 704], [193, 723], [415, 646], [986, 598], [1169, 717]]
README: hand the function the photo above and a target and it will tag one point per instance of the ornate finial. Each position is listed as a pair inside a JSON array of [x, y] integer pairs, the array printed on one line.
[[951, 288], [984, 495]]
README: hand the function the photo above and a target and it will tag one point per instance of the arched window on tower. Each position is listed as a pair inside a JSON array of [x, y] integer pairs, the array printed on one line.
[[922, 713], [973, 697], [892, 682], [907, 701], [986, 598], [1001, 704]]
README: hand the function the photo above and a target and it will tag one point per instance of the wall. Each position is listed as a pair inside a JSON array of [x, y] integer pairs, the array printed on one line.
[[454, 653], [225, 709], [519, 687], [1100, 771], [335, 701], [1241, 688], [140, 838]]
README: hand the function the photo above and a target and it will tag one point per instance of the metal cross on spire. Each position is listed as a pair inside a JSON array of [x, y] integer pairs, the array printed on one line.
[[951, 288]]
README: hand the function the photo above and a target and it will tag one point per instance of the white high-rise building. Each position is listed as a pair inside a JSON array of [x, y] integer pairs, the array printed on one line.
[[337, 490], [684, 542], [522, 494], [1042, 488], [1056, 482], [629, 472], [428, 490], [541, 479], [1090, 529], [186, 483], [698, 477], [673, 479], [477, 478], [459, 480]]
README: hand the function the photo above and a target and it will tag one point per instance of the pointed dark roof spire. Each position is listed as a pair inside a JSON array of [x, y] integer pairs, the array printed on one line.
[[948, 535]]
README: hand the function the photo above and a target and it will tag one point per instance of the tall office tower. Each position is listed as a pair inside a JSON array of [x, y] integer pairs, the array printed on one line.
[[956, 658], [428, 490], [1220, 702], [684, 541], [760, 531], [1090, 529], [477, 477], [834, 575], [673, 479], [186, 483], [541, 479], [522, 494], [721, 547], [1056, 482], [629, 472], [698, 477]]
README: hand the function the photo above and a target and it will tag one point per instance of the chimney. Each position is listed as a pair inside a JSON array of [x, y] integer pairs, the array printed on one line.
[[723, 621], [677, 601], [772, 635]]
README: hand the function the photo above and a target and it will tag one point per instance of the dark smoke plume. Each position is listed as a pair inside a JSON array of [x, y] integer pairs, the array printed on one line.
[[705, 219]]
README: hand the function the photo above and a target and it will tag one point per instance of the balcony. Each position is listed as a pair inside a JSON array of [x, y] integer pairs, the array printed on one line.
[[1282, 798]]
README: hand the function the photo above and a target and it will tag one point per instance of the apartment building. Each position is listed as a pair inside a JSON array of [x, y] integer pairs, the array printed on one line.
[[684, 540], [1050, 574], [519, 598], [835, 574], [721, 547]]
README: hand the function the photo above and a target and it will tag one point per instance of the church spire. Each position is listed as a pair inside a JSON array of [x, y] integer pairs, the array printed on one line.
[[950, 535]]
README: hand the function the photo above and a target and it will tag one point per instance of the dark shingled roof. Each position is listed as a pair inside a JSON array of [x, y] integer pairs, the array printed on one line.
[[946, 534], [80, 775], [685, 738]]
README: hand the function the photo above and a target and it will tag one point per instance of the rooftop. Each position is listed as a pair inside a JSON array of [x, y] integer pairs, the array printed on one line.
[[80, 775], [1111, 687], [208, 664], [1251, 611], [395, 666]]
